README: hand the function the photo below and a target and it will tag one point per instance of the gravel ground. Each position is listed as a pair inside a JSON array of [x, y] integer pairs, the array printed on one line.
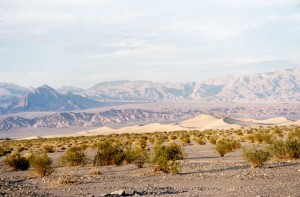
[[204, 173]]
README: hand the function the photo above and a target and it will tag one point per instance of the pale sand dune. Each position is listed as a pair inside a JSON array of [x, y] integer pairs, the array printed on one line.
[[201, 122], [279, 121]]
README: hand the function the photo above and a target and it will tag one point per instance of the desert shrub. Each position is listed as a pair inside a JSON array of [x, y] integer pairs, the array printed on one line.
[[19, 149], [74, 156], [294, 134], [256, 157], [277, 131], [16, 161], [200, 141], [278, 150], [174, 167], [4, 151], [48, 148], [250, 138], [239, 132], [225, 146], [290, 149], [293, 148], [141, 156], [173, 137], [185, 140], [164, 157], [41, 163], [213, 139], [263, 137], [109, 154], [83, 147], [129, 154]]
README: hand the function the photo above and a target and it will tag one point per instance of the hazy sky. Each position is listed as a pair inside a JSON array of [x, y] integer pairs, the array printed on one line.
[[83, 42]]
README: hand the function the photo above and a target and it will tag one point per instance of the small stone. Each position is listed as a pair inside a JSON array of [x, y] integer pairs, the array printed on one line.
[[104, 195], [118, 192]]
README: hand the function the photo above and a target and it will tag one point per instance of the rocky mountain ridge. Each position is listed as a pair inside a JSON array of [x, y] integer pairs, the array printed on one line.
[[280, 86]]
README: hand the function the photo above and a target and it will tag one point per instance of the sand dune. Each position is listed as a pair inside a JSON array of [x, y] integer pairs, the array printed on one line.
[[201, 122], [279, 121]]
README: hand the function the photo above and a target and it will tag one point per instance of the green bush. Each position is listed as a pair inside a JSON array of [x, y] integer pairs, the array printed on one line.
[[256, 157], [164, 156], [16, 161], [74, 156], [225, 146], [109, 154], [41, 163]]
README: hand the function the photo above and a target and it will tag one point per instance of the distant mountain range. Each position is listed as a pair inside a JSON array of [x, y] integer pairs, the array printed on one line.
[[279, 86]]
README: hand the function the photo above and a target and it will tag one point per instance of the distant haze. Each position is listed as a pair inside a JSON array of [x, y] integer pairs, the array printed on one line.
[[81, 43]]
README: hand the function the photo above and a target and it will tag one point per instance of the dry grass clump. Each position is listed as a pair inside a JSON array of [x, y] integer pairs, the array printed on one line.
[[68, 179], [94, 171]]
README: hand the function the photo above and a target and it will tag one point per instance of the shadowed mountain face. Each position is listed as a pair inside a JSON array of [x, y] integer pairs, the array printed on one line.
[[46, 98]]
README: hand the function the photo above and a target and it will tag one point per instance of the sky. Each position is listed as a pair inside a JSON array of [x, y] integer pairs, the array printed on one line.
[[84, 42]]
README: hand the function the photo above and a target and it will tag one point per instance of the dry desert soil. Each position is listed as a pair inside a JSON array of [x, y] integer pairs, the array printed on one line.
[[204, 173]]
